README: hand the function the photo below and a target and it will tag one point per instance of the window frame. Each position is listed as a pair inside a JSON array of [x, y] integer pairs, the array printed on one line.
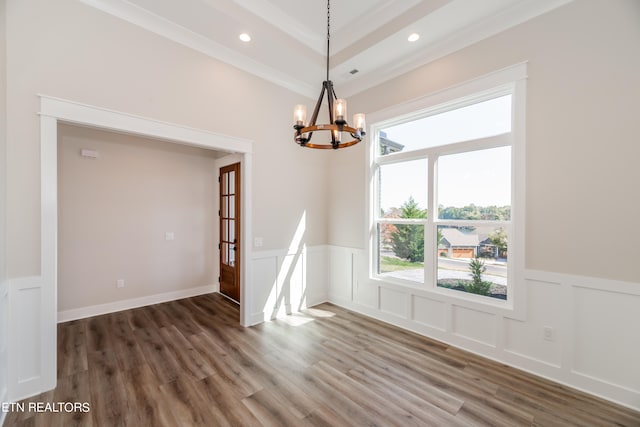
[[509, 81]]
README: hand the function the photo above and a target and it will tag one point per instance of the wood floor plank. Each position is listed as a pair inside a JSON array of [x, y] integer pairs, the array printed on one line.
[[107, 389], [361, 396], [227, 369], [189, 362], [151, 407], [72, 347], [97, 332], [269, 410], [226, 405], [187, 357], [187, 405], [424, 412], [388, 373], [67, 391], [299, 403], [160, 359]]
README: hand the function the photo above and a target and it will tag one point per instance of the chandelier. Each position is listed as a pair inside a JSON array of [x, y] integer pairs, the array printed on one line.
[[337, 113]]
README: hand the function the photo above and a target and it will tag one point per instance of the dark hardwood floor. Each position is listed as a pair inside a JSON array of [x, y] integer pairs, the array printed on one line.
[[189, 362]]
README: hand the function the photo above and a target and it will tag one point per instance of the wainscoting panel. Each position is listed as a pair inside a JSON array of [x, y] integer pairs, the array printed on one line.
[[544, 310], [474, 325], [582, 332], [315, 282], [29, 356], [429, 312], [394, 303], [607, 336], [341, 273], [25, 302], [288, 282]]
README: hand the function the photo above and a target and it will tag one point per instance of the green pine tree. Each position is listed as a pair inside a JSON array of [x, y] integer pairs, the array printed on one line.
[[477, 286], [408, 239]]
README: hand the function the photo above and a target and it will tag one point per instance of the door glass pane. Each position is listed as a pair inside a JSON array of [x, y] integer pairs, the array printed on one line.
[[232, 206], [480, 120], [232, 231], [475, 185], [224, 186], [473, 259], [401, 251], [224, 207], [225, 227], [403, 190], [232, 182]]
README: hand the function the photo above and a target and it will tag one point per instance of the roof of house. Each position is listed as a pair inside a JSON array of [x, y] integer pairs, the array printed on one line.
[[455, 237]]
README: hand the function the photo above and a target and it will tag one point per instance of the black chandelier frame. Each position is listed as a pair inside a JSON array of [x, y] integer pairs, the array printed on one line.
[[337, 125]]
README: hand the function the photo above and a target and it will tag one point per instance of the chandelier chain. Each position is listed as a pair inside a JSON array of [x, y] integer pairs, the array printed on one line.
[[328, 34]]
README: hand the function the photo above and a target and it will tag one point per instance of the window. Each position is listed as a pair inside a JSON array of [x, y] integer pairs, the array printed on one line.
[[444, 176]]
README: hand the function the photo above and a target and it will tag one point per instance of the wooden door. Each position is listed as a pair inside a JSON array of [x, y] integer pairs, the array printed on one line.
[[230, 231]]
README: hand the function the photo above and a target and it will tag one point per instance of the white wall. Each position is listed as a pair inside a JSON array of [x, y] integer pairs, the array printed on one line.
[[581, 134], [4, 297], [74, 52], [582, 277], [114, 212], [78, 53]]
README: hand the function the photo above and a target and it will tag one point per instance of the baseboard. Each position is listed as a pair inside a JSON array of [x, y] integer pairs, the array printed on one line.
[[95, 310]]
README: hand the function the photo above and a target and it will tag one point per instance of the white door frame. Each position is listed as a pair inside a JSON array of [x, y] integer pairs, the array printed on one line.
[[53, 110]]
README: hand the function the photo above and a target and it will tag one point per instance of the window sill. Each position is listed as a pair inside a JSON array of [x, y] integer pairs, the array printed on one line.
[[490, 305]]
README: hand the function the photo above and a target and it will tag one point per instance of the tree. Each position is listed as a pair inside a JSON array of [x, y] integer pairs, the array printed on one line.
[[408, 239], [499, 240], [473, 212], [477, 285]]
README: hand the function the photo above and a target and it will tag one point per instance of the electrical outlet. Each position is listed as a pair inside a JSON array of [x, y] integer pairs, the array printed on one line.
[[548, 333], [169, 235], [120, 283], [258, 242]]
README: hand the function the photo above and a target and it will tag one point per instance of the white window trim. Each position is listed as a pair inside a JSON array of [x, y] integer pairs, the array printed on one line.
[[511, 80]]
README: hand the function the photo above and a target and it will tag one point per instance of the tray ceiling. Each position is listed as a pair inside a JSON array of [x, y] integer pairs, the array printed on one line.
[[288, 45]]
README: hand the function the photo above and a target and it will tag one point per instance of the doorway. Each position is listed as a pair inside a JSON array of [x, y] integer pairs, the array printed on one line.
[[230, 231], [35, 298]]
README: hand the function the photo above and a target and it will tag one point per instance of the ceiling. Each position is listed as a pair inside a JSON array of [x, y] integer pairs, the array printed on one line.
[[289, 37]]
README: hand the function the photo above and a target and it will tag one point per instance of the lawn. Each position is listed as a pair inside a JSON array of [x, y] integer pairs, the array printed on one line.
[[389, 264]]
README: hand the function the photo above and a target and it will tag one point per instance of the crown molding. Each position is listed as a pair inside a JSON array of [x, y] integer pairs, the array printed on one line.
[[179, 34], [380, 69], [509, 18]]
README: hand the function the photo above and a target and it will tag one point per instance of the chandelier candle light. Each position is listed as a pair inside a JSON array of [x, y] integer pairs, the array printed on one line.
[[337, 113]]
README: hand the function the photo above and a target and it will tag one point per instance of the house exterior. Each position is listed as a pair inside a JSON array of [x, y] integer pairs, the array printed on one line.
[[457, 244]]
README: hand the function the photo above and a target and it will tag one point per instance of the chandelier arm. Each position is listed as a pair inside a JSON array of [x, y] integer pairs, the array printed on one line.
[[316, 110], [330, 98]]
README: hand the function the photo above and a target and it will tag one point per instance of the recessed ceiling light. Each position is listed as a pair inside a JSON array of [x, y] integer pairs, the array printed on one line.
[[245, 37], [413, 37]]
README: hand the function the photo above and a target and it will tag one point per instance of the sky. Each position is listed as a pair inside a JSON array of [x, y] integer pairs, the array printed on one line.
[[480, 177]]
